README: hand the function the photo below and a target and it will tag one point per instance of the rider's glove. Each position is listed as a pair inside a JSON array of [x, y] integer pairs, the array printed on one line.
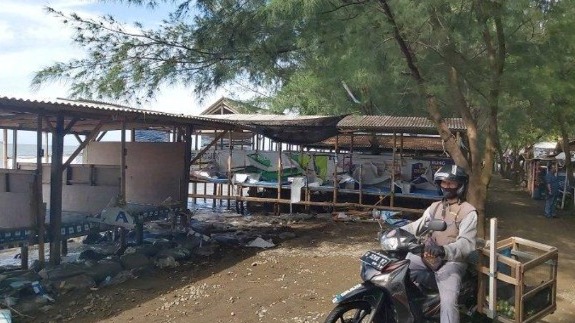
[[435, 250]]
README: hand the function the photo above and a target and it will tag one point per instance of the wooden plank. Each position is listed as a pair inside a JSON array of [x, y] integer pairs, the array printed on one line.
[[519, 295], [203, 151], [506, 278], [540, 260], [83, 144], [504, 259], [533, 244]]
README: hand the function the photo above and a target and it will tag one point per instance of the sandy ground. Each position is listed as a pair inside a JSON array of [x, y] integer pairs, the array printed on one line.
[[295, 281]]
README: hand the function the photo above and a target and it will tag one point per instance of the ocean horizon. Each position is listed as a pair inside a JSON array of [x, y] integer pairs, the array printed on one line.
[[28, 151]]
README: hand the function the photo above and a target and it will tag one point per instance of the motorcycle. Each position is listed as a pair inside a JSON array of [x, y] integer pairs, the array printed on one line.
[[388, 294]]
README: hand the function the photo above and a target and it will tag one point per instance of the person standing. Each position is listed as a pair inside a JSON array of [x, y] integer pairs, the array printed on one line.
[[552, 187]]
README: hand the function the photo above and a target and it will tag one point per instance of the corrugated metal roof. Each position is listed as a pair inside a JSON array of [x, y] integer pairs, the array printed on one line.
[[19, 113], [410, 143], [397, 124], [262, 117]]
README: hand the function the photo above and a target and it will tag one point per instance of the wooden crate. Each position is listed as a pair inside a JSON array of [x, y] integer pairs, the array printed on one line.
[[526, 280]]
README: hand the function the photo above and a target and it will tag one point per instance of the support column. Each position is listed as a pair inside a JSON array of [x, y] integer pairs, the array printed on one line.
[[14, 149], [123, 163], [41, 210], [392, 188], [185, 188], [56, 191], [5, 148]]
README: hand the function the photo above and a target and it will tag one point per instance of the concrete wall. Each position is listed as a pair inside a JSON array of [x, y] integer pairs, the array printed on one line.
[[17, 199], [154, 169]]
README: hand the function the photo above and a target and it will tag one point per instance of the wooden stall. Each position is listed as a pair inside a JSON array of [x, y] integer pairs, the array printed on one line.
[[397, 151], [88, 122], [525, 282]]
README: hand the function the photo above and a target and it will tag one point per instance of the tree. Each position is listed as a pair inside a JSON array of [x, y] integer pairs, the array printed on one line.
[[364, 56]]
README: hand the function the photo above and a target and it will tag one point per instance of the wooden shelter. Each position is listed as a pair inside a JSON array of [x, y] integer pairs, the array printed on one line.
[[87, 121], [336, 137]]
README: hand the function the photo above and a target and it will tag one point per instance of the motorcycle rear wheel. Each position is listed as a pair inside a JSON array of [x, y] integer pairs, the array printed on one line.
[[354, 312]]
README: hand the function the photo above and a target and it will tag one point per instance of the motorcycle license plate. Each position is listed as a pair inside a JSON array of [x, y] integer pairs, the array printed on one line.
[[375, 259]]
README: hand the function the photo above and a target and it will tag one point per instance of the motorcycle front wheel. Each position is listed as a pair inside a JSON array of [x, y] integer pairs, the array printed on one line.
[[358, 312], [354, 312]]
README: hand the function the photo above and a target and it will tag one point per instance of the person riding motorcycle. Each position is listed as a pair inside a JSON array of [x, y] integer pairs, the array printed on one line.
[[445, 252]]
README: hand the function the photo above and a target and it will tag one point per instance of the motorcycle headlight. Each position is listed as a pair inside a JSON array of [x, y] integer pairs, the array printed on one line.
[[389, 243]]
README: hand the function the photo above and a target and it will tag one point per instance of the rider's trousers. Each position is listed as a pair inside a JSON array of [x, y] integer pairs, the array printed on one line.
[[448, 279]]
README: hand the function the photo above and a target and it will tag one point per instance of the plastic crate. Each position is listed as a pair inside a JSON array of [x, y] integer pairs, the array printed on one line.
[[526, 280]]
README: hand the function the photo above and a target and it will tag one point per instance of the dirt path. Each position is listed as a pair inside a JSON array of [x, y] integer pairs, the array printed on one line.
[[295, 281]]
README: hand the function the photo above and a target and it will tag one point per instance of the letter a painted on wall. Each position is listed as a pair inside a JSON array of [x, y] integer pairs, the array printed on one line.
[[121, 216], [116, 216]]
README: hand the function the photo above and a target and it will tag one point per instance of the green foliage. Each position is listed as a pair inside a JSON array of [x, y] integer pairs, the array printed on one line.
[[335, 57]]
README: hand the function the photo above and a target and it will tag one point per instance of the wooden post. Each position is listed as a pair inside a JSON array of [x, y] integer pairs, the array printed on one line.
[[306, 193], [230, 168], [123, 163], [5, 148], [335, 183], [195, 184], [40, 210], [14, 149], [187, 164], [47, 150], [351, 152], [280, 167], [392, 188], [56, 190], [361, 184]]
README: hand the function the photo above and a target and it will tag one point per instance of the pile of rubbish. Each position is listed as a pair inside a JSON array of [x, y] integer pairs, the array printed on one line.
[[101, 261]]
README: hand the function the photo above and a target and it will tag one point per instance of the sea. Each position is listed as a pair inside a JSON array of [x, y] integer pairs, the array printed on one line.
[[28, 151]]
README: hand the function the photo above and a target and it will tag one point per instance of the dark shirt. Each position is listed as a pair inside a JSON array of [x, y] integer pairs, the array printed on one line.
[[553, 180]]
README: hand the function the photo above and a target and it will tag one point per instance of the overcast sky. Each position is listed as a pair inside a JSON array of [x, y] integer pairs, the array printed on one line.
[[30, 39]]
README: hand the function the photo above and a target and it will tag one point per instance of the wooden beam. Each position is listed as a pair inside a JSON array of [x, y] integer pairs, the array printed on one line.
[[70, 124], [49, 125], [101, 136], [83, 145], [203, 151]]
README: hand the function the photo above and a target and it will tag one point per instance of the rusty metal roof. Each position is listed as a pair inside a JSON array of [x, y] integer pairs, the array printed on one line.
[[396, 124], [83, 116], [362, 142], [22, 114], [264, 119]]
